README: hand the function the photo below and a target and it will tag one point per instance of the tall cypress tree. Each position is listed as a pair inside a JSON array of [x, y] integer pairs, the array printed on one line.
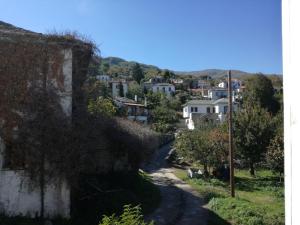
[[137, 73]]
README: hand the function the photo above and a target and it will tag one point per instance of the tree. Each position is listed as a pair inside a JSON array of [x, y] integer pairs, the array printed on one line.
[[260, 91], [121, 90], [101, 106], [137, 73], [153, 99], [253, 130], [166, 75], [163, 118], [134, 89], [105, 68], [96, 88], [207, 145], [275, 154]]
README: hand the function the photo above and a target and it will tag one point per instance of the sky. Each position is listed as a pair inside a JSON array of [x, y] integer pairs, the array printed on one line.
[[180, 35]]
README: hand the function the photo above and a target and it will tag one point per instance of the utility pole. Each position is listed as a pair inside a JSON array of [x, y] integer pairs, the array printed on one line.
[[230, 135]]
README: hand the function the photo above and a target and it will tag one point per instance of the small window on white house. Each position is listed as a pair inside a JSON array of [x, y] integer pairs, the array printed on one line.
[[208, 110], [192, 109], [196, 109], [170, 89]]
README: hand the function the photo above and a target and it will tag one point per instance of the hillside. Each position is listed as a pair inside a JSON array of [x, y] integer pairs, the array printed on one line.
[[121, 65]]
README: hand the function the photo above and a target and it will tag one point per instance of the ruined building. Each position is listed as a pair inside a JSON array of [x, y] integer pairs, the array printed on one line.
[[31, 60]]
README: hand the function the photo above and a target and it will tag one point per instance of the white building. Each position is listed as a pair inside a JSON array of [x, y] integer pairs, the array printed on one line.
[[103, 78], [176, 81], [235, 84], [217, 109], [116, 87], [133, 110], [216, 93], [203, 84], [165, 88]]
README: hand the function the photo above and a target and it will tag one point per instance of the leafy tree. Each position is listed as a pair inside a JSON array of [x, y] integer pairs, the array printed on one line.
[[260, 91], [167, 75], [97, 88], [137, 73], [153, 99], [275, 154], [101, 106], [134, 89], [253, 130], [207, 145], [105, 68], [163, 118]]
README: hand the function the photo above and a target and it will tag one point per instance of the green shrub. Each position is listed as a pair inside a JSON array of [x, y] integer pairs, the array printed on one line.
[[130, 216]]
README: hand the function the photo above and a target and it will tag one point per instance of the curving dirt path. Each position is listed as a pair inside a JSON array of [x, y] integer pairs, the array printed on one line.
[[180, 204]]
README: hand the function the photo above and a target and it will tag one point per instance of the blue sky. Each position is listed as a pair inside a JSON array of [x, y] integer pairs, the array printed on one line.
[[182, 35]]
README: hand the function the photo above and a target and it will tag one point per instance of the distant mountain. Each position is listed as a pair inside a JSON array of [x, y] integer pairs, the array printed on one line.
[[123, 65], [118, 62], [218, 73]]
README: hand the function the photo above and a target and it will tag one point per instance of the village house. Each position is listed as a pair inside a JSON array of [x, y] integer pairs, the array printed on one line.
[[235, 84], [216, 93], [132, 109], [176, 81], [203, 84], [164, 88], [116, 88], [158, 84], [103, 78], [56, 68], [203, 110], [32, 61]]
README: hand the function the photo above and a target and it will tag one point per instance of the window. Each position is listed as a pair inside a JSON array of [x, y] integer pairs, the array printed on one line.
[[170, 89], [164, 89], [208, 110], [192, 109], [214, 110], [196, 109]]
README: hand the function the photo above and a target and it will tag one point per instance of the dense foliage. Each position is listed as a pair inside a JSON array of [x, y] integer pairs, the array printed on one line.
[[137, 73], [130, 216], [260, 92], [207, 146], [253, 128]]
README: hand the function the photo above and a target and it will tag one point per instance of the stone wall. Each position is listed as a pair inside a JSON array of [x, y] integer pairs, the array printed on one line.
[[29, 61]]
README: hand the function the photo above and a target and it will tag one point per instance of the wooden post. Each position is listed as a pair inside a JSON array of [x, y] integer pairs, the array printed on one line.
[[231, 163]]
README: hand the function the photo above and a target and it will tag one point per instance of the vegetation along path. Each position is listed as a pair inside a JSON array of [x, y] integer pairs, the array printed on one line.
[[180, 204]]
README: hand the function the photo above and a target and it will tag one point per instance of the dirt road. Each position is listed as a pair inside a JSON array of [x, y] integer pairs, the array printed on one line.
[[180, 204]]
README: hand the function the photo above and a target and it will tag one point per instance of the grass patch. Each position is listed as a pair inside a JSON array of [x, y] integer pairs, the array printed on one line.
[[259, 200]]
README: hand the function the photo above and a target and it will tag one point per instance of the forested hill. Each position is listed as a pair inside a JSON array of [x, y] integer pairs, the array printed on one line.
[[120, 65]]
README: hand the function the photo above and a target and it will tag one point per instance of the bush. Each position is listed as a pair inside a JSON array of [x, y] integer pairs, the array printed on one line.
[[130, 216]]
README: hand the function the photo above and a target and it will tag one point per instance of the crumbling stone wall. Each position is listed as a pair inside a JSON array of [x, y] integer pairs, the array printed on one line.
[[32, 61]]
